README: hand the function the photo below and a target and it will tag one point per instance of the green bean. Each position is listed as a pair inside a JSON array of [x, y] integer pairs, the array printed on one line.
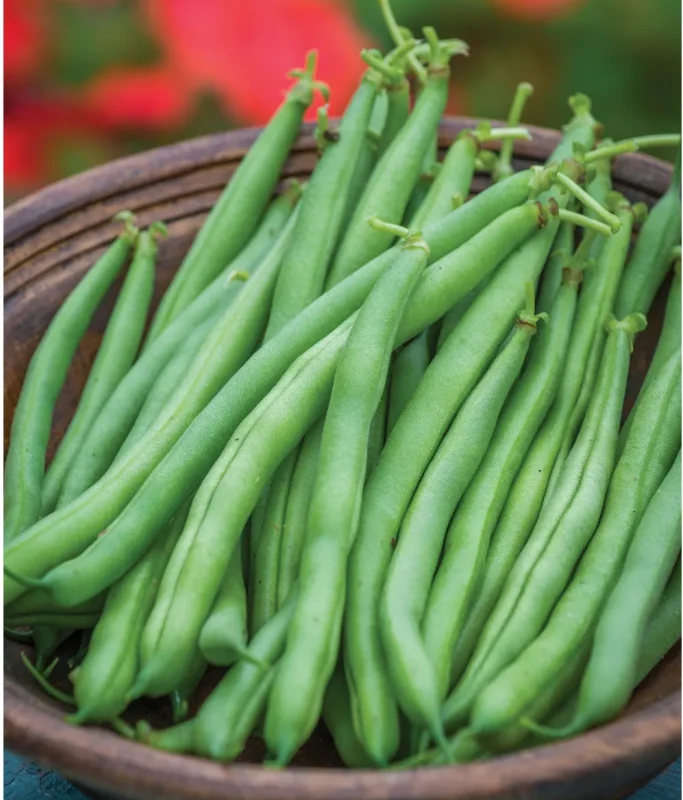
[[38, 602], [304, 265], [297, 513], [182, 696], [235, 214], [115, 356], [618, 248], [397, 107], [408, 450], [651, 257], [429, 170], [337, 717], [225, 720], [611, 674], [415, 585], [176, 739], [454, 314], [521, 418], [561, 533], [167, 383], [599, 188], [114, 422], [223, 636], [393, 179], [221, 508], [648, 455], [669, 341], [580, 130], [406, 372], [663, 628], [528, 490], [367, 156], [25, 464], [56, 619], [264, 590], [102, 680], [178, 475], [296, 697]]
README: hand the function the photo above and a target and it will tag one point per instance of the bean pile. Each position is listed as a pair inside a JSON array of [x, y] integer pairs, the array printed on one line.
[[368, 458]]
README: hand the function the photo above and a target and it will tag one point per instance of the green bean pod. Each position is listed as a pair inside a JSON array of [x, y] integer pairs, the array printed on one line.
[[651, 257], [337, 717], [451, 376], [521, 418], [235, 214], [115, 356], [30, 433], [406, 372], [615, 252], [36, 601], [177, 475], [561, 533], [264, 588], [221, 508], [104, 677], [650, 450], [528, 490], [223, 636], [418, 661], [393, 179], [296, 698], [669, 341], [612, 671], [454, 314], [429, 169], [228, 716], [66, 619], [117, 417], [304, 266], [296, 514], [170, 378], [378, 430]]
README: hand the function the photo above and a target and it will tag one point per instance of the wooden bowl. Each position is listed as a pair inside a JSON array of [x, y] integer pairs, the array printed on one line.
[[51, 238]]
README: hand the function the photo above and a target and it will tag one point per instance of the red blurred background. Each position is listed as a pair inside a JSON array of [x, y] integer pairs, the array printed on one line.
[[90, 80]]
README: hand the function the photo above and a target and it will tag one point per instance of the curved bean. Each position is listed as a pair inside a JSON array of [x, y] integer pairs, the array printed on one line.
[[104, 677], [235, 214], [337, 717], [612, 671], [223, 637], [264, 587], [296, 698], [648, 455], [30, 432], [221, 508], [415, 584], [297, 512], [561, 533], [115, 356]]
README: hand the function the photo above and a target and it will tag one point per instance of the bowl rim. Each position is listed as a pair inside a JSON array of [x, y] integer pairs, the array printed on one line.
[[651, 735]]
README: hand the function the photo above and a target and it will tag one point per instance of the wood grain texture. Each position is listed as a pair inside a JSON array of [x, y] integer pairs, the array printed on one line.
[[51, 239]]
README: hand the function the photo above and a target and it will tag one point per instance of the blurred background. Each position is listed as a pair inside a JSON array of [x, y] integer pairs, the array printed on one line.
[[87, 81]]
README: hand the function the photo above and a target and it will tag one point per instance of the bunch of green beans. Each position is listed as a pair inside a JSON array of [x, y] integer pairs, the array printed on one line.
[[364, 475]]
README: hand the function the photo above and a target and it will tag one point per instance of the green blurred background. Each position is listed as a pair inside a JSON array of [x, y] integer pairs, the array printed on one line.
[[90, 80]]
